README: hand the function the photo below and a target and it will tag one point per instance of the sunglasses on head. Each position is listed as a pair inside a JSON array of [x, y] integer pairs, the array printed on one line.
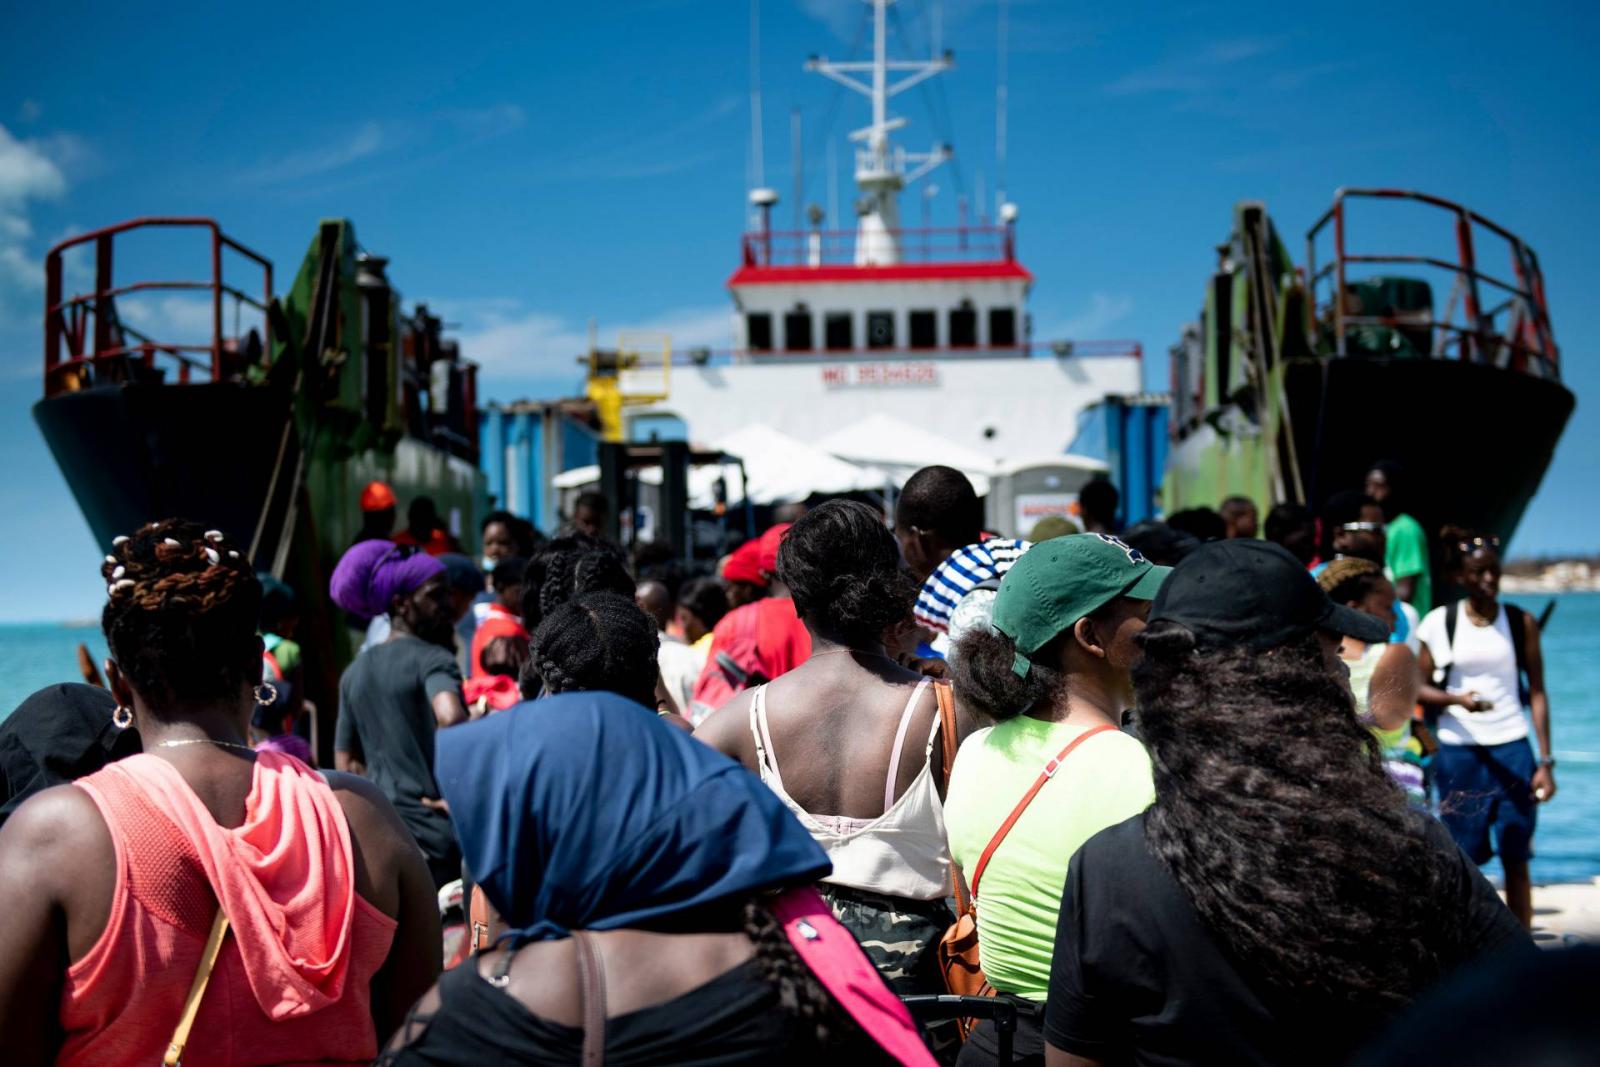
[[1475, 543], [1363, 527]]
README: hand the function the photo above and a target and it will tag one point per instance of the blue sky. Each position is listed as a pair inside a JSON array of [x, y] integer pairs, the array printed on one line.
[[527, 167]]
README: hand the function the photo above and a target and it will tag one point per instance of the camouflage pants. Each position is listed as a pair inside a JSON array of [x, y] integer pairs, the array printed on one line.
[[901, 938]]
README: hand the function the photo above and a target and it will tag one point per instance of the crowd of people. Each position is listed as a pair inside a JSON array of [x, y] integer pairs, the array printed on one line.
[[1208, 789]]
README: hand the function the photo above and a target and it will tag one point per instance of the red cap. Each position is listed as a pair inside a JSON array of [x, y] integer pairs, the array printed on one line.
[[377, 497], [744, 564], [769, 541]]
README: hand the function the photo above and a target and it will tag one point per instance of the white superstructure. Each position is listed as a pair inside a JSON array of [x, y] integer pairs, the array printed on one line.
[[847, 335]]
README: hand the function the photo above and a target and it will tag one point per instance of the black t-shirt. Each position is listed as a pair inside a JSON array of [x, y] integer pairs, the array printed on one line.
[[386, 717], [1138, 977]]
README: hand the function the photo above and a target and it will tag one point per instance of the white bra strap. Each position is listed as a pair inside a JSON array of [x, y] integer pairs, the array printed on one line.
[[766, 758], [899, 743]]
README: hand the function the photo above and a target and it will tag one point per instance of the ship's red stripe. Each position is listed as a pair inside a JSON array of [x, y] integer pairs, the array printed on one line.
[[903, 272]]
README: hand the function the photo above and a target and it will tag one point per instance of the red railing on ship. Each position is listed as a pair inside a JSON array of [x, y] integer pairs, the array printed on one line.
[[833, 248], [1528, 342], [73, 359], [1061, 349]]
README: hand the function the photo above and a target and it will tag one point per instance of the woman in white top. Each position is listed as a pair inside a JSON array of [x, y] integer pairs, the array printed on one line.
[[849, 740], [1485, 768]]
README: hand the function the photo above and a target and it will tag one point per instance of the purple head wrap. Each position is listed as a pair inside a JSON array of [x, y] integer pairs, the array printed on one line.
[[372, 573]]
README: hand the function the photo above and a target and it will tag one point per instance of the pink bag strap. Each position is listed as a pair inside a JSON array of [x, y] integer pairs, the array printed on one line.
[[831, 953]]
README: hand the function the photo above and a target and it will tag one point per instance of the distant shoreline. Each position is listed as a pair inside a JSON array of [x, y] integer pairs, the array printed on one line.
[[1552, 576]]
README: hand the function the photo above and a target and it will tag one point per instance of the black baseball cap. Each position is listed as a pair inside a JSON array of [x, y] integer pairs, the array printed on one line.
[[1254, 593]]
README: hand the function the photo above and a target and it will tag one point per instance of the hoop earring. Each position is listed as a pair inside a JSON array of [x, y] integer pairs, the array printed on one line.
[[270, 697], [122, 717]]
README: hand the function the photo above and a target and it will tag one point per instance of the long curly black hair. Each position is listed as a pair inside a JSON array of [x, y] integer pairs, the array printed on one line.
[[181, 612], [1274, 814], [842, 567], [598, 642]]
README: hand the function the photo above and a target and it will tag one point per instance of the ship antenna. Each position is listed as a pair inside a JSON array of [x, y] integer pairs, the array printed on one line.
[[833, 187], [881, 168], [797, 157], [757, 175], [1000, 116]]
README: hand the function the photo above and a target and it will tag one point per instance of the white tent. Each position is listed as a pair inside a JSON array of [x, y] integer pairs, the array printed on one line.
[[778, 467], [902, 448]]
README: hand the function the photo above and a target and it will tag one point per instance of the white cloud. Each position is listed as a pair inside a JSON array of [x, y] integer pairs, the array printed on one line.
[[1196, 73], [509, 340], [363, 142], [28, 175], [651, 151], [424, 137], [1105, 310], [181, 319]]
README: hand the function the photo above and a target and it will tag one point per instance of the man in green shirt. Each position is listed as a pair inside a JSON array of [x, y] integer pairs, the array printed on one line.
[[1406, 556]]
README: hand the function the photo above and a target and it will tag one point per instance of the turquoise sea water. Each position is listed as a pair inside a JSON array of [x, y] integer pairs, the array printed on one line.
[[1568, 840]]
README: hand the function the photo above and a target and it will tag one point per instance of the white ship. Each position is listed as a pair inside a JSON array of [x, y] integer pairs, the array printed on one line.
[[884, 347]]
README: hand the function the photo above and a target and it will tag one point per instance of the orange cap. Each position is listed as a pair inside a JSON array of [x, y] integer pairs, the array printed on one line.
[[377, 497]]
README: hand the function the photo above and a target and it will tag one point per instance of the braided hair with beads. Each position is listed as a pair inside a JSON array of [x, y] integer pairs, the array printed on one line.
[[181, 612]]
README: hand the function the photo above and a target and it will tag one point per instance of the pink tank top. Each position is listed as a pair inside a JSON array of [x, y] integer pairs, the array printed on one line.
[[292, 984]]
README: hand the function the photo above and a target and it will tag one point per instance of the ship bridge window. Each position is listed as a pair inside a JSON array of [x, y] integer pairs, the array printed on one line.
[[838, 330], [924, 329], [797, 331], [758, 331], [1002, 327], [964, 327], [880, 329]]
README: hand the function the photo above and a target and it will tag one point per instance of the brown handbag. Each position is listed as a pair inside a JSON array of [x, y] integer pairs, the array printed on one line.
[[958, 949]]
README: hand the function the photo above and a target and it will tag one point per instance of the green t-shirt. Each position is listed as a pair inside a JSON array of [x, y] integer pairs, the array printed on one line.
[[285, 651], [1104, 781], [1407, 556]]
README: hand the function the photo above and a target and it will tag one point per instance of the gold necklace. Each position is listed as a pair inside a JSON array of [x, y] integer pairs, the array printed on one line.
[[204, 741], [842, 651]]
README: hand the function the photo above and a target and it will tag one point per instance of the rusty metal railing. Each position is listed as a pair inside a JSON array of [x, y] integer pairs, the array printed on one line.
[[1526, 343], [74, 359]]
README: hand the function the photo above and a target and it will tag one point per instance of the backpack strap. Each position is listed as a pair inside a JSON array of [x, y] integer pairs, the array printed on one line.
[[1517, 624], [949, 742], [948, 739], [1443, 663], [1045, 775]]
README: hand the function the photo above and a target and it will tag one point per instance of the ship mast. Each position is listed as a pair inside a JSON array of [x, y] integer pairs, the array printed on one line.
[[881, 169]]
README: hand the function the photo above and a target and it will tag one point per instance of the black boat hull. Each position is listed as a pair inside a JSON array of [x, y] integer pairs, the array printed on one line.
[[1475, 440], [133, 453]]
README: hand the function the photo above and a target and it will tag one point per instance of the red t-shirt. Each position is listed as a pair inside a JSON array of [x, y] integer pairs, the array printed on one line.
[[763, 640]]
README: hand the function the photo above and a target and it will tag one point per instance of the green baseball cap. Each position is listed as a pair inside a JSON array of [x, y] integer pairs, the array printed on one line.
[[1058, 582]]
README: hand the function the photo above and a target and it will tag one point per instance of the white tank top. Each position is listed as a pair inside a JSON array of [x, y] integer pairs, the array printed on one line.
[[901, 853]]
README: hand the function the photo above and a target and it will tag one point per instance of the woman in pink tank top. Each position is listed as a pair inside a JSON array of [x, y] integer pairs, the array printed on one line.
[[112, 884]]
